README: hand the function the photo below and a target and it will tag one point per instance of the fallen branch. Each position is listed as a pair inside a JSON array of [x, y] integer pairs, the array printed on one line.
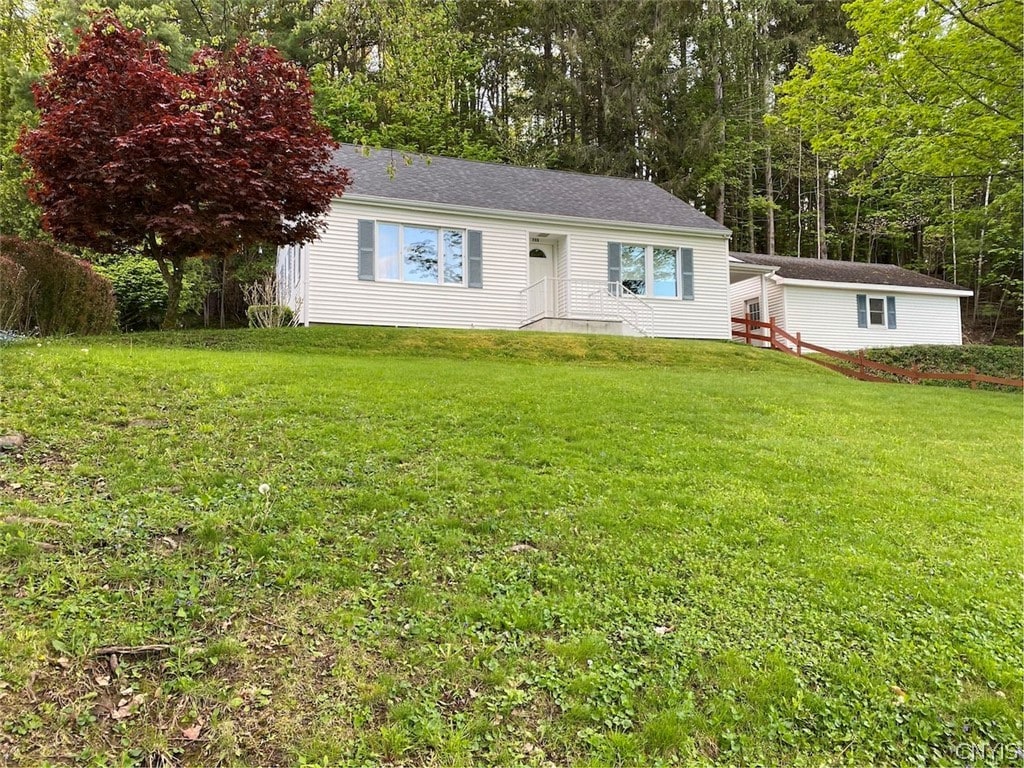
[[15, 519], [131, 650], [268, 623]]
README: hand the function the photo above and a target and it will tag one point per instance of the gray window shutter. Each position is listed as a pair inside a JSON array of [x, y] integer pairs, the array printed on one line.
[[475, 247], [614, 263], [862, 310], [890, 311], [366, 259], [687, 259]]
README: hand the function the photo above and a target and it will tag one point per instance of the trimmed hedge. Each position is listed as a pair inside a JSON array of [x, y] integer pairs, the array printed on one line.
[[1005, 362], [58, 294], [13, 295]]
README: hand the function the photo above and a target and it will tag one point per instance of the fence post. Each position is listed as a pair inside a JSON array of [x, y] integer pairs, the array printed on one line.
[[974, 377], [771, 332], [799, 348], [914, 378], [860, 362]]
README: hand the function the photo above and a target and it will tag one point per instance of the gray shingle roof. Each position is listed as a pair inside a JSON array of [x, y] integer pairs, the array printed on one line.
[[448, 181], [845, 271]]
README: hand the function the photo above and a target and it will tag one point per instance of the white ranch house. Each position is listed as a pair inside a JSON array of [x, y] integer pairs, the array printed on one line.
[[441, 242]]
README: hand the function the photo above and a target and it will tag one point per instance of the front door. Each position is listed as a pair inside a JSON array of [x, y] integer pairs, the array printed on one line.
[[542, 265], [542, 262]]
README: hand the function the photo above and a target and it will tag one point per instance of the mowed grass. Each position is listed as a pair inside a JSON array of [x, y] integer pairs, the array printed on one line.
[[511, 549]]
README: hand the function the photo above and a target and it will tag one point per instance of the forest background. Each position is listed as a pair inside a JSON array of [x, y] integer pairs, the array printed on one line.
[[876, 130]]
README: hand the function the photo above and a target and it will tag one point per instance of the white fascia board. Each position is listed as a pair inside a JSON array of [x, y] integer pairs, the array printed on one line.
[[753, 269], [543, 220], [873, 287]]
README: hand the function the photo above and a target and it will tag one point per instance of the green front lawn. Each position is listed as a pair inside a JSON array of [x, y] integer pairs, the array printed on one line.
[[499, 548]]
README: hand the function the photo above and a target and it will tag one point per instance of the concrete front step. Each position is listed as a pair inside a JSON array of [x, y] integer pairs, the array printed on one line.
[[576, 325]]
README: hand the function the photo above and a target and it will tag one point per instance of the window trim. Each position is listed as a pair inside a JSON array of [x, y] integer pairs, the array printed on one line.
[[888, 316], [440, 230], [885, 319], [747, 304], [649, 269]]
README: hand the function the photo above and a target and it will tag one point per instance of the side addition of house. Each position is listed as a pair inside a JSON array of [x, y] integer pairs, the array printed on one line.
[[846, 305], [462, 244]]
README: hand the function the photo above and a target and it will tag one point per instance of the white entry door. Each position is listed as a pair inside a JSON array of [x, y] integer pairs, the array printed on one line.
[[542, 265], [542, 262]]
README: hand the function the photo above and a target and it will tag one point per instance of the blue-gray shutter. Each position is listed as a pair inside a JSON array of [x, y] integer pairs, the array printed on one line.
[[890, 311], [614, 263], [475, 248], [366, 232], [862, 310], [687, 259]]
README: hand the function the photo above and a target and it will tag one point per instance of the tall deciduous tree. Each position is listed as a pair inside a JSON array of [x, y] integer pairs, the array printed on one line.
[[129, 154], [926, 110]]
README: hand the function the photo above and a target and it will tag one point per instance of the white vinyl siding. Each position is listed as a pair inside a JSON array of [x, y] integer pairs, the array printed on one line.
[[706, 316], [336, 295], [828, 316], [750, 288]]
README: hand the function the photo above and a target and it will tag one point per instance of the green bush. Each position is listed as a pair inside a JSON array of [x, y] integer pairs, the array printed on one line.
[[59, 293], [141, 293], [1002, 361], [139, 290], [269, 315]]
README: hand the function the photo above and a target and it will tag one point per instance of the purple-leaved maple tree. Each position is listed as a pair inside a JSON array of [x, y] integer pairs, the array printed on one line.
[[129, 154]]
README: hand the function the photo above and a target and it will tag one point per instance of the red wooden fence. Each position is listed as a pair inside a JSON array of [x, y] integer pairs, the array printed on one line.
[[778, 338]]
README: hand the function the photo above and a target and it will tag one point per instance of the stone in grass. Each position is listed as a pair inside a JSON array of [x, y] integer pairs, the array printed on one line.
[[522, 547], [147, 423], [12, 442]]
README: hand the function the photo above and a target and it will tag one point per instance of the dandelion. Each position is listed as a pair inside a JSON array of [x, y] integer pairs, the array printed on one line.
[[264, 489]]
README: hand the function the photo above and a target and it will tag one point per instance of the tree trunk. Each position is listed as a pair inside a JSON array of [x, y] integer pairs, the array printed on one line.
[[720, 115], [819, 193], [720, 60], [751, 247], [769, 190], [223, 287], [981, 249], [999, 314], [856, 228], [799, 192], [952, 214], [172, 268]]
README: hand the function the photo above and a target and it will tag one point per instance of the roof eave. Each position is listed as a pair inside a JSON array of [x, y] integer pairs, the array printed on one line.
[[528, 216], [959, 292], [749, 266]]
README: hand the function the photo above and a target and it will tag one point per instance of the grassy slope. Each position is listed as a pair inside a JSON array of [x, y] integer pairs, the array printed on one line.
[[733, 555]]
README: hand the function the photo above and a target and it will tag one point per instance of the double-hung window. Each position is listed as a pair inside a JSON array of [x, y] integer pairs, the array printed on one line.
[[415, 254], [650, 270], [876, 311]]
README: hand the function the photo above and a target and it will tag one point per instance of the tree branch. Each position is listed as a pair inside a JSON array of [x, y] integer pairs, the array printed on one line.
[[957, 10], [202, 19], [949, 77]]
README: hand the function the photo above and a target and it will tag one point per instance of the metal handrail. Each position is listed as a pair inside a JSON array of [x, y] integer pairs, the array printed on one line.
[[593, 299]]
